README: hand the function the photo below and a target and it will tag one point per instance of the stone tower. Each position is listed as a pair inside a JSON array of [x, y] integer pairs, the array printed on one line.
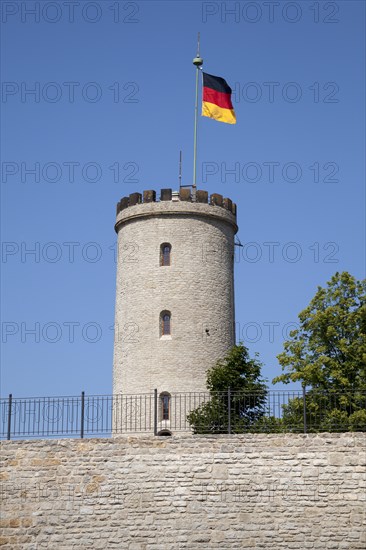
[[175, 290]]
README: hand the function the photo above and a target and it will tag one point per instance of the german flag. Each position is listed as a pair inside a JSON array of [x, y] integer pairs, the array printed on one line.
[[216, 99]]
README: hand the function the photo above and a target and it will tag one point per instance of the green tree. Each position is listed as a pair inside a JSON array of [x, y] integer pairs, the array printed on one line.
[[327, 353], [247, 395]]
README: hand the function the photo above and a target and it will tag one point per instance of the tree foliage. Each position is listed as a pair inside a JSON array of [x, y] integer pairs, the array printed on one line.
[[326, 412], [328, 351], [328, 355], [246, 397]]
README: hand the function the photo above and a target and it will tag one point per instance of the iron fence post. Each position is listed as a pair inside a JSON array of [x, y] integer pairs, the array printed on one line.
[[304, 407], [9, 415], [155, 412], [82, 415], [228, 411]]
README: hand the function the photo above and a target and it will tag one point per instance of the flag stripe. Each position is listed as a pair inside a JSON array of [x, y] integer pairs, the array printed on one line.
[[218, 113], [218, 98], [216, 83]]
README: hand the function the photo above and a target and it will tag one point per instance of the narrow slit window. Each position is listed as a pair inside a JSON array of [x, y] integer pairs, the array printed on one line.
[[165, 254], [166, 324]]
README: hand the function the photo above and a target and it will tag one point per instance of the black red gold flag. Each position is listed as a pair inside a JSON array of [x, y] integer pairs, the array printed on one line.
[[216, 99]]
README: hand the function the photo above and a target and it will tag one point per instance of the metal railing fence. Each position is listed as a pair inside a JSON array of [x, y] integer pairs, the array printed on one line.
[[272, 411]]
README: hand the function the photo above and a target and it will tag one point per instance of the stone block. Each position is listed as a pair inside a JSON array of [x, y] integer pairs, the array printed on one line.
[[336, 459], [166, 195], [135, 198], [185, 194], [228, 204], [201, 196], [216, 199], [219, 471], [149, 196], [123, 203]]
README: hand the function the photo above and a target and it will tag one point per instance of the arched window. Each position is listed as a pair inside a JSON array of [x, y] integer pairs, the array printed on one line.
[[165, 328], [164, 406], [165, 253]]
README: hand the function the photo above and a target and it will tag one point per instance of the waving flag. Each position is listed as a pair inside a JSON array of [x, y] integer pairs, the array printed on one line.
[[216, 99]]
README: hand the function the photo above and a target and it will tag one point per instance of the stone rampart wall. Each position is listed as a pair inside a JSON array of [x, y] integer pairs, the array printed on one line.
[[194, 492]]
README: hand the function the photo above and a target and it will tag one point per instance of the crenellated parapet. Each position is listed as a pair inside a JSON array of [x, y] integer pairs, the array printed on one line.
[[183, 195]]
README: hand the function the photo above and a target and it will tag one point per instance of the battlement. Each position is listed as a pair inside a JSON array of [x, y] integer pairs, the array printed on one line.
[[183, 195]]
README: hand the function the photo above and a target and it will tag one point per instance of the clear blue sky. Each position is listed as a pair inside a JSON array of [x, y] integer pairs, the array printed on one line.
[[114, 87]]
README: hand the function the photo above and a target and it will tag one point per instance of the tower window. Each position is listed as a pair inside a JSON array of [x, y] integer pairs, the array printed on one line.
[[165, 325], [165, 405], [165, 253]]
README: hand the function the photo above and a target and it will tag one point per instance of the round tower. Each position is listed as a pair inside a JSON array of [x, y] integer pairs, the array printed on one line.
[[175, 290]]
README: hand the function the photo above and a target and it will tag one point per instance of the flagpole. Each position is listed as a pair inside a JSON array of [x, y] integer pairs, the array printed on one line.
[[198, 62]]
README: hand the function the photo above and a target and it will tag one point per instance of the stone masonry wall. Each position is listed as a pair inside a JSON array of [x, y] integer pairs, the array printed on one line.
[[194, 492]]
